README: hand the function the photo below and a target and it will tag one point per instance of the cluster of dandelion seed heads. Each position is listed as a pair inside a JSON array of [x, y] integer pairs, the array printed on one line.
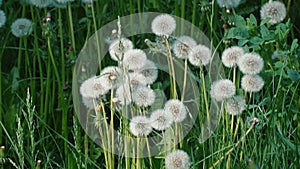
[[21, 27], [2, 18], [161, 120], [222, 89], [163, 24], [251, 63], [199, 55], [235, 105], [274, 10], [118, 47], [143, 96], [123, 94], [182, 46], [252, 83], [134, 59], [140, 126], [230, 56], [177, 159], [177, 109], [228, 3]]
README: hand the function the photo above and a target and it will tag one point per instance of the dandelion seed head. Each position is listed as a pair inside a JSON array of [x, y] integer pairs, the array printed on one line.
[[21, 27], [235, 105], [2, 18], [92, 88], [111, 76], [275, 10], [149, 71], [252, 83], [161, 120], [199, 55], [134, 59], [88, 102], [136, 80], [123, 94], [140, 126], [64, 1], [228, 3], [163, 24], [177, 109], [222, 89], [250, 63], [182, 46], [177, 159], [231, 55], [143, 96], [118, 47]]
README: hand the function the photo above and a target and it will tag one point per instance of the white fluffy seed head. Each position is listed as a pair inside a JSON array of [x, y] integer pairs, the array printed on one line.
[[93, 87], [199, 55], [140, 126], [177, 109], [275, 10], [222, 89], [88, 102], [135, 80], [143, 96], [235, 105], [252, 83], [231, 55], [134, 59], [118, 47], [21, 27], [177, 159], [182, 46], [163, 24], [149, 71], [250, 63], [123, 94], [228, 3], [111, 76], [161, 120]]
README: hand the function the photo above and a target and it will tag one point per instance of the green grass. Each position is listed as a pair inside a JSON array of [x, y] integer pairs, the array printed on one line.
[[37, 115]]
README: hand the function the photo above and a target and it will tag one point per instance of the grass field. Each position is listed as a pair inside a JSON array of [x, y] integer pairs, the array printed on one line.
[[44, 124]]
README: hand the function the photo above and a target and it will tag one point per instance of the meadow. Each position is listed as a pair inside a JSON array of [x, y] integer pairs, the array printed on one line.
[[171, 84]]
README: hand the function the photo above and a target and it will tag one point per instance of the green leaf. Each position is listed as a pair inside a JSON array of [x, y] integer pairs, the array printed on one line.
[[15, 76], [294, 45], [252, 20], [256, 40], [237, 33], [239, 21], [293, 75], [264, 31]]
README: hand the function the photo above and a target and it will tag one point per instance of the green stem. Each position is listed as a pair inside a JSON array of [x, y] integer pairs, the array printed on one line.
[[71, 27], [172, 71]]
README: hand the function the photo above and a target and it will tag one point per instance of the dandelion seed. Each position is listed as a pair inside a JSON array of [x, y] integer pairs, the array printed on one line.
[[231, 55], [135, 80], [235, 105], [92, 88], [177, 159], [222, 89], [252, 83], [118, 47], [2, 18], [199, 55], [88, 102], [21, 27], [140, 126], [41, 3], [274, 10], [123, 94], [182, 46], [143, 96], [177, 109], [149, 71], [163, 24], [250, 63], [111, 76], [228, 3], [161, 120], [134, 59]]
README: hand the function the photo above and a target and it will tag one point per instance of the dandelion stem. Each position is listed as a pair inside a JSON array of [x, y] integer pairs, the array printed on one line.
[[184, 80], [172, 71]]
